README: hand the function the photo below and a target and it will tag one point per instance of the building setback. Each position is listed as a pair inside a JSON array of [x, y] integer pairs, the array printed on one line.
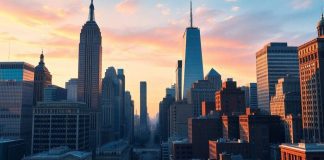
[[60, 124], [72, 89], [311, 65], [274, 61]]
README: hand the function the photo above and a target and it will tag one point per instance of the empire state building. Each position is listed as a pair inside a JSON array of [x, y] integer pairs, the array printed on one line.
[[90, 57]]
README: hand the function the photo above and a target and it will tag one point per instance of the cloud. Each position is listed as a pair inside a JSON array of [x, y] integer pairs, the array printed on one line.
[[163, 9], [230, 0], [127, 6], [235, 8], [301, 4]]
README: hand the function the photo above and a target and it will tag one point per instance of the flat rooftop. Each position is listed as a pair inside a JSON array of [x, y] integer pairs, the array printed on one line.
[[304, 147]]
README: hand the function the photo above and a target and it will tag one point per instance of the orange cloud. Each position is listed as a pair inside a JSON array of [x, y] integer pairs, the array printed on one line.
[[127, 6]]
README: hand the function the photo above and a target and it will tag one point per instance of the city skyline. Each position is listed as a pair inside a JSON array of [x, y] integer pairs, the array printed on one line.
[[60, 39]]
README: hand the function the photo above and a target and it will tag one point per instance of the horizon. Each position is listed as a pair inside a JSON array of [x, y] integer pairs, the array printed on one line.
[[138, 43]]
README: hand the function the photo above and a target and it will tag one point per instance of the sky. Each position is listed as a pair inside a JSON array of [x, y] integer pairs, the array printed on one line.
[[145, 37]]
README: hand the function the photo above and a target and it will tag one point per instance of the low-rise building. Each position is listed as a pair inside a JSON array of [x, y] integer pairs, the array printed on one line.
[[302, 151], [12, 149], [60, 153], [227, 146], [181, 150]]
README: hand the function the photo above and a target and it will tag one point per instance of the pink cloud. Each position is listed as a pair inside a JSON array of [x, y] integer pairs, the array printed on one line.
[[127, 6]]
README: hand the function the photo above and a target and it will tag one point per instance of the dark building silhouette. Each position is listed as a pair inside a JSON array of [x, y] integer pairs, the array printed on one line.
[[181, 150], [215, 78], [230, 125], [42, 79], [207, 107], [218, 148], [54, 93], [164, 117], [122, 117], [129, 117], [143, 106], [89, 73], [230, 100], [200, 131], [12, 149], [311, 66], [178, 84]]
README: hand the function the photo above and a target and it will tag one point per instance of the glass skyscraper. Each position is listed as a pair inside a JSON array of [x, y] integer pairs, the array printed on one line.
[[274, 61], [16, 100], [193, 69]]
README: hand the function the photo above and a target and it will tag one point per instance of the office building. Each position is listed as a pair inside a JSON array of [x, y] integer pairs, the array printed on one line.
[[202, 90], [230, 147], [12, 149], [121, 77], [178, 85], [179, 114], [273, 61], [42, 78], [164, 117], [230, 127], [215, 78], [16, 101], [311, 65], [181, 150], [72, 89], [54, 93], [207, 108], [60, 153], [251, 95], [116, 150], [60, 124], [287, 97], [129, 117], [302, 151], [200, 131], [230, 100], [143, 106], [293, 128], [193, 69], [111, 103], [171, 91]]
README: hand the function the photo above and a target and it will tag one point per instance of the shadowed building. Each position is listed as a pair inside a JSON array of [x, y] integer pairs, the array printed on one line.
[[178, 84], [193, 70], [215, 78], [311, 65], [42, 79], [143, 106], [72, 89], [54, 93], [273, 61]]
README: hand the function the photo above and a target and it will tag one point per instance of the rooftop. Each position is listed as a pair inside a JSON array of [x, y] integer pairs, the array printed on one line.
[[114, 146], [305, 147], [60, 152], [7, 140]]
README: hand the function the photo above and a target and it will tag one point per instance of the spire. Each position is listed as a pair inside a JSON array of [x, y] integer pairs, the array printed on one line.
[[41, 62], [191, 19], [91, 12]]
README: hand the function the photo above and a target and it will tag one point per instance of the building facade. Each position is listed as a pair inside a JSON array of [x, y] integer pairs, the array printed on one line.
[[143, 105], [311, 65], [179, 114], [54, 93], [302, 151], [164, 117], [72, 89], [274, 61], [129, 117], [178, 85], [16, 100], [12, 149], [42, 78], [58, 124], [193, 69], [215, 78]]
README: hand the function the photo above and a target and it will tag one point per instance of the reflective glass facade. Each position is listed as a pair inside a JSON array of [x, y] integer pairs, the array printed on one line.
[[193, 70], [274, 61]]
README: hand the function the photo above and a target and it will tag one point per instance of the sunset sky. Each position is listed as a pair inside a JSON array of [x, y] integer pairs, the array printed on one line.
[[145, 36]]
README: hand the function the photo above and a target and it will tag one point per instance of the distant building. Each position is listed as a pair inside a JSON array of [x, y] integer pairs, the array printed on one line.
[[143, 106], [60, 153], [16, 78], [215, 78], [253, 95], [193, 69], [116, 150], [200, 131], [218, 148], [171, 91], [273, 61], [230, 127], [293, 128], [230, 100], [164, 117], [202, 90], [54, 93], [72, 89], [287, 97], [165, 152], [60, 124], [178, 85], [181, 150], [129, 117], [311, 65], [42, 78], [111, 97], [12, 149], [122, 125], [179, 114], [302, 151], [207, 107]]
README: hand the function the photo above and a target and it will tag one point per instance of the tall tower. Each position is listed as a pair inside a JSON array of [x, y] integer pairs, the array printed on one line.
[[143, 105], [90, 53], [42, 78], [311, 65], [193, 70], [178, 85]]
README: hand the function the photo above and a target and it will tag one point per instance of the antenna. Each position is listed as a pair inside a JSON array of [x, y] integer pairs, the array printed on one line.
[[191, 19]]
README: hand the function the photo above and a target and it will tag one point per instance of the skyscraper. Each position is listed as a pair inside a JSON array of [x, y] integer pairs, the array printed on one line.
[[42, 78], [16, 100], [129, 117], [253, 95], [89, 75], [143, 105], [311, 65], [193, 70], [215, 78], [273, 61], [110, 109], [178, 85], [121, 77]]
